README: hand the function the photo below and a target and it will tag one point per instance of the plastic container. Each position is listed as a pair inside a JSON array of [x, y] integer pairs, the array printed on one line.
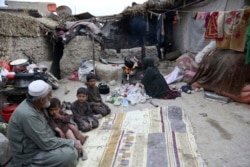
[[51, 7], [103, 88], [7, 111]]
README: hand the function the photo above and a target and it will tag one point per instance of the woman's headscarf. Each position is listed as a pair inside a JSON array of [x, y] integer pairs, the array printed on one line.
[[148, 62]]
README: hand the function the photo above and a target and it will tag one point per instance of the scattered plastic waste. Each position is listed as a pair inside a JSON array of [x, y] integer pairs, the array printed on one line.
[[127, 94]]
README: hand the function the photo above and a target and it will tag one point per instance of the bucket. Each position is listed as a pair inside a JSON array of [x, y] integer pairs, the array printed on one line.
[[51, 7], [7, 111]]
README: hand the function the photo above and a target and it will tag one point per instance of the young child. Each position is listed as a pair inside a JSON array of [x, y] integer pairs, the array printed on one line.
[[60, 122], [94, 97], [82, 113]]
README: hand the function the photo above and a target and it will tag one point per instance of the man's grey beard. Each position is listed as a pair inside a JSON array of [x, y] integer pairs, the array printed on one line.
[[47, 104]]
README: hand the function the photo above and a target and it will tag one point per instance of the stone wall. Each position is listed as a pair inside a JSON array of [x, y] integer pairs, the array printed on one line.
[[17, 40], [81, 48], [12, 48], [78, 49], [22, 35]]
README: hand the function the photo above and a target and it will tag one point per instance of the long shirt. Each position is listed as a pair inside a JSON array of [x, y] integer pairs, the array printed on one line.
[[29, 133], [81, 112], [61, 123], [94, 95]]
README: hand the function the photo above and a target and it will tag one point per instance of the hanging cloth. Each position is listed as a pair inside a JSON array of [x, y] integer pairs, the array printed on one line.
[[160, 29], [247, 60], [231, 21], [211, 28], [238, 37], [220, 23], [201, 15]]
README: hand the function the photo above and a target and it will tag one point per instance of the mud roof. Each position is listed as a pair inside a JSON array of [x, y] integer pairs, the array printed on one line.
[[157, 5], [15, 24]]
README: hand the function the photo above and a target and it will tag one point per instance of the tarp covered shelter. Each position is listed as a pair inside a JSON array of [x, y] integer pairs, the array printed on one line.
[[188, 33]]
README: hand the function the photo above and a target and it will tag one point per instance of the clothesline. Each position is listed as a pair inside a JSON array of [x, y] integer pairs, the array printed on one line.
[[228, 28], [186, 11]]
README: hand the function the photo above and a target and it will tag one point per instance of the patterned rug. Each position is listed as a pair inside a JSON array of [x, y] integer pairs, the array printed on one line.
[[160, 137]]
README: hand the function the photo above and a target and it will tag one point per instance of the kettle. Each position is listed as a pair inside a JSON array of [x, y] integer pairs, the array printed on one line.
[[103, 88]]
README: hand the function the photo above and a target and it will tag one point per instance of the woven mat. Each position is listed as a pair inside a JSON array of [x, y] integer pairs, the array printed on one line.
[[140, 138]]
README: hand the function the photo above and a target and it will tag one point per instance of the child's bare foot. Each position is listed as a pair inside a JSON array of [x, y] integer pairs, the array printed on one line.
[[83, 139]]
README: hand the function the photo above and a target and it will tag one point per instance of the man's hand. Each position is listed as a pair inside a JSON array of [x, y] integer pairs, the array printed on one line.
[[57, 115], [60, 132]]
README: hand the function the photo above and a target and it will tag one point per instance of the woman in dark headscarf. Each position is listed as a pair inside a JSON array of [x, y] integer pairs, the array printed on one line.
[[154, 83]]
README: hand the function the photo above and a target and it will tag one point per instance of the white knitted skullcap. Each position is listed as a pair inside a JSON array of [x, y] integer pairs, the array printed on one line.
[[38, 88]]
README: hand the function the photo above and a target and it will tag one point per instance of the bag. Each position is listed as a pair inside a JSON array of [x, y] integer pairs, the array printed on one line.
[[103, 88], [85, 68]]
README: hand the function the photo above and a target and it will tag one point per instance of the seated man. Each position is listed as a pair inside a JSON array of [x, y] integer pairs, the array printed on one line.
[[32, 141]]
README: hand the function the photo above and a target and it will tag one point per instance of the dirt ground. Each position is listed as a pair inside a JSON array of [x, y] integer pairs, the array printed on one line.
[[221, 130]]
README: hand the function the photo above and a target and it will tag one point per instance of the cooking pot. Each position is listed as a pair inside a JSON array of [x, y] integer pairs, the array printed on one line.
[[22, 80], [128, 63], [103, 88]]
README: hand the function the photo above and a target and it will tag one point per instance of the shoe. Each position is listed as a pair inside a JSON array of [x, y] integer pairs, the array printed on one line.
[[84, 155], [98, 116], [68, 105], [74, 77], [69, 112], [63, 106]]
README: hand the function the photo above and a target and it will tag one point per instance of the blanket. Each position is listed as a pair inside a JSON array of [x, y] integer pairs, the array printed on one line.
[[149, 137]]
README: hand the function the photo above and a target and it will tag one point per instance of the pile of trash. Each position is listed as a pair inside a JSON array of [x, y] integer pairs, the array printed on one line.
[[128, 94]]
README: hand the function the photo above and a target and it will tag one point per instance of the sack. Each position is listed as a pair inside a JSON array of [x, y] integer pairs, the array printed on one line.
[[175, 76], [85, 68], [103, 88]]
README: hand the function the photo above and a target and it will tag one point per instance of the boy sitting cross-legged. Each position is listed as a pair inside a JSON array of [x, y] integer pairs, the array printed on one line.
[[94, 97], [82, 113]]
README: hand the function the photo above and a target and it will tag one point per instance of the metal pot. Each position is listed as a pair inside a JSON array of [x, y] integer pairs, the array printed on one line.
[[103, 88], [22, 80]]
